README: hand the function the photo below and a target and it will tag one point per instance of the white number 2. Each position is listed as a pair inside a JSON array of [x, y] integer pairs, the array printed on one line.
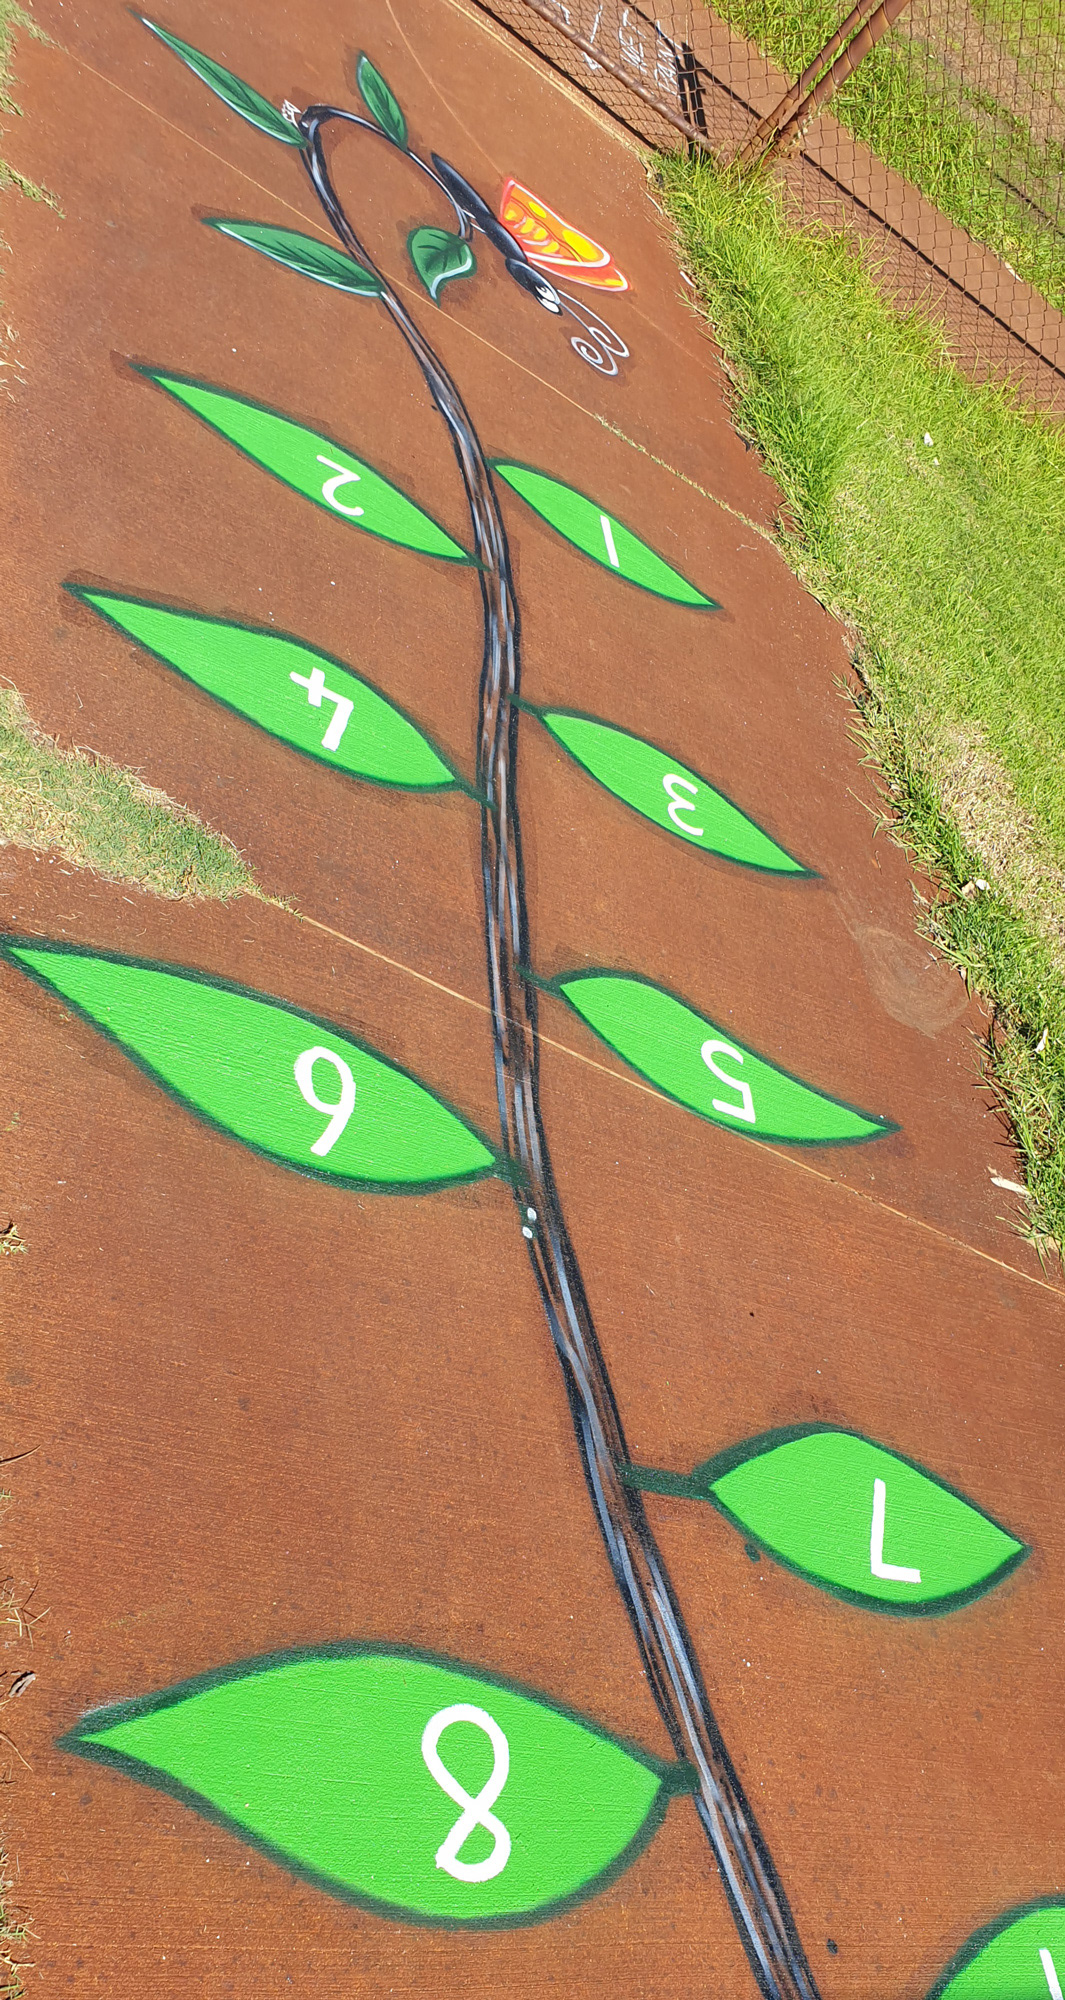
[[673, 783], [745, 1108], [337, 1114], [343, 478]]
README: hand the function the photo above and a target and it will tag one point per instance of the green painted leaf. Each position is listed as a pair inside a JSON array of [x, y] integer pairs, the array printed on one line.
[[308, 255], [666, 791], [584, 523], [291, 690], [329, 475], [1021, 1957], [857, 1519], [438, 256], [354, 1765], [705, 1066], [380, 102], [239, 96], [288, 1084]]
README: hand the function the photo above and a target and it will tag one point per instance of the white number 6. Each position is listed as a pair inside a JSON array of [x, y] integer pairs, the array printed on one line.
[[745, 1108], [337, 1114]]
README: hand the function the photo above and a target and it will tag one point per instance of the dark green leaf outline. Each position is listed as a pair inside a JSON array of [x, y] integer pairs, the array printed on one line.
[[673, 1778], [800, 873], [362, 284], [381, 102], [497, 466], [418, 249], [85, 592], [161, 377], [10, 942], [987, 1933], [555, 985], [240, 97], [696, 1485]]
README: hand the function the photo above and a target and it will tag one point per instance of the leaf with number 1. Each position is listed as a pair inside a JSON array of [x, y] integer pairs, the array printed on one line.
[[607, 540], [325, 472], [287, 1084], [705, 1067], [304, 697], [1019, 1957]]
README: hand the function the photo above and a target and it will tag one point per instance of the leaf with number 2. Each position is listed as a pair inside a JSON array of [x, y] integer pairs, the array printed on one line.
[[286, 1083]]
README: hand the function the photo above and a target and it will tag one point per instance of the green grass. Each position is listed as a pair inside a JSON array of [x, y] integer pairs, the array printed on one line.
[[975, 157], [80, 806], [945, 559], [12, 18]]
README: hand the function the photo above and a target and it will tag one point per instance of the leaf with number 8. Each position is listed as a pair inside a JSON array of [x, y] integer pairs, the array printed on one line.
[[607, 540], [324, 472], [287, 1084], [703, 1067], [239, 96], [413, 1785], [1020, 1957]]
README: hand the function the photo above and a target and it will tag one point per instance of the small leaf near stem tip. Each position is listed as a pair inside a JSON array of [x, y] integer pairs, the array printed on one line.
[[381, 103]]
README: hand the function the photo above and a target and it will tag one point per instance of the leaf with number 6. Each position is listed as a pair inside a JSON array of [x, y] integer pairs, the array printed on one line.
[[706, 1068], [1019, 1957], [288, 1084], [584, 523], [239, 96], [326, 473], [413, 1785]]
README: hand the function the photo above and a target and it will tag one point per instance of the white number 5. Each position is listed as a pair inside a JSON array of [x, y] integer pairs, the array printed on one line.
[[337, 1114], [745, 1108]]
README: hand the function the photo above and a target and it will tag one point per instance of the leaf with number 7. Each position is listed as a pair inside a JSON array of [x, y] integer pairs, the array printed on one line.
[[584, 523], [287, 1084], [703, 1067]]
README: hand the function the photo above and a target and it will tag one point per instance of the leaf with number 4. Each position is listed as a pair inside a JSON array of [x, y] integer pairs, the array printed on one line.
[[239, 96], [856, 1519], [438, 256], [705, 1068], [325, 472], [380, 101], [309, 256], [666, 791], [1020, 1957], [390, 1778], [286, 1083], [296, 693], [584, 523]]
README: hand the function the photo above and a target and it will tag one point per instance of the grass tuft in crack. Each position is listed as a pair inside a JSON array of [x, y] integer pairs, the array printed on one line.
[[12, 18], [95, 815], [929, 515]]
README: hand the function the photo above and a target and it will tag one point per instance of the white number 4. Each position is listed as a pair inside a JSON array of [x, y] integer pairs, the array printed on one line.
[[338, 1113], [317, 692], [745, 1108]]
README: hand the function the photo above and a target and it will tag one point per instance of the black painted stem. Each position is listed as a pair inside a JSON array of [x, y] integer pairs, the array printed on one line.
[[752, 1885]]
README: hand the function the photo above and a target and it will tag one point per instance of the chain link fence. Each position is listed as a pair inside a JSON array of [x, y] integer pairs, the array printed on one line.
[[944, 146]]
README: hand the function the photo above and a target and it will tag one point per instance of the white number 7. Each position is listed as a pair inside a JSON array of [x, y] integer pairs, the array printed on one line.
[[337, 1114], [745, 1108]]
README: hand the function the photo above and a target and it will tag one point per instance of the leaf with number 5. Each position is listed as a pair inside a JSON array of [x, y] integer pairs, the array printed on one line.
[[1019, 1957], [438, 256], [705, 1068], [239, 96], [584, 523], [413, 1785], [325, 472], [853, 1517], [309, 256], [287, 1084], [380, 101], [665, 791], [304, 697]]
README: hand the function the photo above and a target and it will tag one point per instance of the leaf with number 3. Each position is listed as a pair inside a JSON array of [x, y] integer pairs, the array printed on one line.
[[1019, 1957], [287, 1084], [413, 1785], [239, 96], [325, 472], [705, 1067]]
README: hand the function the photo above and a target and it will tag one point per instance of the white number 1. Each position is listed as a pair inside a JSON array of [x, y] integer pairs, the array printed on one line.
[[1050, 1974], [314, 682], [337, 1114], [745, 1108]]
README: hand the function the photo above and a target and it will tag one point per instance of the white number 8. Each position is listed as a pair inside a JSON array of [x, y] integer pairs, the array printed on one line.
[[745, 1108], [337, 1114]]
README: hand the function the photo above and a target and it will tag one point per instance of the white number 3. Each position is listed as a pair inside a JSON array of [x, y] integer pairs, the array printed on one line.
[[745, 1108], [337, 1114]]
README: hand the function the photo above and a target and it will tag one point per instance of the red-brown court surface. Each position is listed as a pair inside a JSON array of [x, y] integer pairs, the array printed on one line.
[[263, 1413]]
